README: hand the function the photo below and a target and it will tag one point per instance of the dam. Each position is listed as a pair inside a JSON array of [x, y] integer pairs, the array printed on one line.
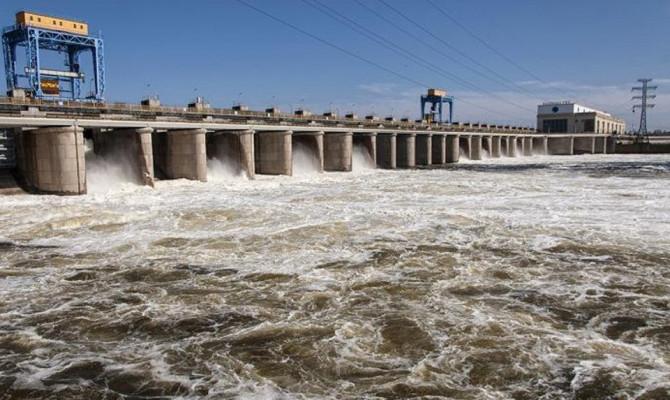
[[168, 143]]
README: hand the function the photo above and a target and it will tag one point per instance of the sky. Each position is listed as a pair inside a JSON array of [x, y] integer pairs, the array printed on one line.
[[499, 59]]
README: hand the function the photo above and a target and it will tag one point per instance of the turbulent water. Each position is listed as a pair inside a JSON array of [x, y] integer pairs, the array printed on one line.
[[526, 278]]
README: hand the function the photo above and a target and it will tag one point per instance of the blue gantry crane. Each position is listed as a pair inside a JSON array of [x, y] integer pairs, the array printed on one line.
[[37, 34], [436, 98]]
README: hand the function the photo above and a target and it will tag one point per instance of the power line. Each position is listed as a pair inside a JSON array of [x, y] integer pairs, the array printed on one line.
[[333, 45], [413, 57], [498, 77], [493, 49], [349, 53]]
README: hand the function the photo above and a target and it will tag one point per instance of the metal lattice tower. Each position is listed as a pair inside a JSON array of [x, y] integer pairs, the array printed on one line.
[[645, 88], [34, 78]]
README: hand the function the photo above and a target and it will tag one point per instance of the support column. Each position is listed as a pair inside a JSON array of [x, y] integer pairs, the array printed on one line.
[[424, 149], [337, 151], [273, 152], [511, 146], [439, 149], [495, 146], [235, 149], [476, 147], [528, 146], [186, 154], [406, 150], [540, 145], [386, 150], [584, 145], [52, 160], [453, 148], [560, 145]]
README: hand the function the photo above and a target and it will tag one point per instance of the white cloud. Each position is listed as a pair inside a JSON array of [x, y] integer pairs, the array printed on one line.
[[389, 98]]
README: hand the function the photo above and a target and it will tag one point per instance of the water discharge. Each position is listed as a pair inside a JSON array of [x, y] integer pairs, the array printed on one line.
[[361, 159], [305, 160], [522, 278], [220, 170], [113, 172]]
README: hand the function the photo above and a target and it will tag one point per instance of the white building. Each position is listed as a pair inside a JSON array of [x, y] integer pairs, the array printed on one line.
[[570, 117]]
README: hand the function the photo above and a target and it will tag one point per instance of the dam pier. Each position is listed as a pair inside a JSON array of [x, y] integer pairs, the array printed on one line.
[[162, 143]]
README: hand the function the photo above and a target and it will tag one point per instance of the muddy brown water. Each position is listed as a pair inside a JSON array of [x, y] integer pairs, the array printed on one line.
[[546, 277]]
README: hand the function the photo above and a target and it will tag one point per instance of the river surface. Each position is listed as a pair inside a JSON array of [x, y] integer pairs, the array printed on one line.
[[539, 277]]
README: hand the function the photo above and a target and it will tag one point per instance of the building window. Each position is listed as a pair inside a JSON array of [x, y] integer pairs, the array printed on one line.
[[31, 17], [589, 125], [39, 19], [555, 126]]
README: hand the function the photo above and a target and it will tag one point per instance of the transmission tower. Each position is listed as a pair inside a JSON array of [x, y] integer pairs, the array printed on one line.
[[645, 89]]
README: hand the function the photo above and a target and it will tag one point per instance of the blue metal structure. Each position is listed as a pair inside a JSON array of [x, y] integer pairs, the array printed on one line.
[[436, 102], [35, 41]]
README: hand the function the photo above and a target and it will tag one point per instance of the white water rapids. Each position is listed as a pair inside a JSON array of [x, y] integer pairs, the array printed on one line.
[[536, 277]]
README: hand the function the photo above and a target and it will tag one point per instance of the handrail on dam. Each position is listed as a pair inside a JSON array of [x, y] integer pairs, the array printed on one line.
[[120, 110]]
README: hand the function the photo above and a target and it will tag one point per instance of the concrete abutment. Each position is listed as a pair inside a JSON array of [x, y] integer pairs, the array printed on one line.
[[273, 152], [439, 149], [424, 149], [337, 151], [52, 160], [453, 148], [406, 150]]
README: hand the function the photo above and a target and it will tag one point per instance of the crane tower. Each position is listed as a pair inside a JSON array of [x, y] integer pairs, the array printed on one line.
[[40, 35]]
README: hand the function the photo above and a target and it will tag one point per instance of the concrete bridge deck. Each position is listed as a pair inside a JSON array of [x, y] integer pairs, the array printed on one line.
[[50, 148]]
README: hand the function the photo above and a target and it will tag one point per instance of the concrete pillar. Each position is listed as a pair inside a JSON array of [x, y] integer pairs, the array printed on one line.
[[439, 149], [313, 143], [367, 141], [52, 160], [560, 145], [465, 143], [476, 147], [495, 146], [406, 150], [511, 146], [528, 146], [386, 150], [600, 145], [424, 149], [337, 151], [453, 148], [487, 145], [273, 152], [235, 149], [584, 145], [185, 154], [539, 145]]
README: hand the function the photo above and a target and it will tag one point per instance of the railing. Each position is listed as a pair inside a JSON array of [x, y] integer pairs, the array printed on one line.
[[266, 116]]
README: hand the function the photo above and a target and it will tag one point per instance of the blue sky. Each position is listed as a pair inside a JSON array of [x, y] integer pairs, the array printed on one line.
[[591, 51]]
